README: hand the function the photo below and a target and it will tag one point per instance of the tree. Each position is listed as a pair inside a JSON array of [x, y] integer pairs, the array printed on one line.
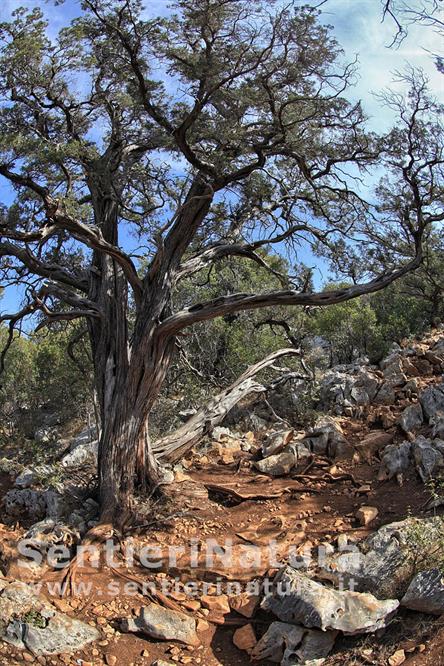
[[405, 13], [210, 134]]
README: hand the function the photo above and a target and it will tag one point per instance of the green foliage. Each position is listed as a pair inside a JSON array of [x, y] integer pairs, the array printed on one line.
[[425, 544]]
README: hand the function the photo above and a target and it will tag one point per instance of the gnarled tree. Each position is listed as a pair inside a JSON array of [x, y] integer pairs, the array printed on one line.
[[208, 135]]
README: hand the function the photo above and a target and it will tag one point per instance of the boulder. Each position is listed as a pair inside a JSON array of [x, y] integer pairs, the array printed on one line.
[[277, 465], [411, 418], [386, 395], [426, 592], [81, 455], [384, 563], [30, 622], [288, 644], [372, 443], [36, 504], [327, 438], [438, 428], [432, 401], [394, 374], [395, 460], [428, 456], [275, 442], [299, 600], [163, 624]]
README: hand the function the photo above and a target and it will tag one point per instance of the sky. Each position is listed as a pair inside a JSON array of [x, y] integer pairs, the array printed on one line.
[[357, 27]]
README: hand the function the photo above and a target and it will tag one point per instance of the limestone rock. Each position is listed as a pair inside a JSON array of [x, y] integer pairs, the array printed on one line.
[[395, 460], [245, 604], [426, 592], [277, 465], [275, 442], [372, 443], [244, 638], [428, 456], [30, 622], [37, 504], [366, 515], [386, 395], [288, 644], [411, 418], [218, 604], [81, 454], [432, 401], [299, 600], [384, 563], [163, 624]]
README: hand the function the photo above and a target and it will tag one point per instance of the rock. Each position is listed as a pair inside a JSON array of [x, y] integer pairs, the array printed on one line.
[[33, 475], [384, 563], [438, 428], [162, 662], [372, 443], [163, 624], [46, 435], [81, 454], [275, 442], [347, 385], [244, 604], [397, 658], [30, 622], [37, 504], [290, 644], [395, 460], [220, 434], [48, 532], [393, 373], [428, 456], [386, 395], [299, 600], [432, 401], [244, 638], [426, 593], [216, 604], [277, 465], [411, 418], [366, 515], [327, 438]]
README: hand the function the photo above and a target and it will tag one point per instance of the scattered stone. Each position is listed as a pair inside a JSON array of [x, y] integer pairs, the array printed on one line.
[[386, 395], [411, 418], [163, 624], [432, 401], [36, 504], [397, 658], [395, 461], [428, 456], [290, 644], [366, 515], [81, 454], [275, 442], [426, 593], [244, 638], [384, 563], [244, 604], [300, 600], [216, 604], [31, 622], [372, 443], [277, 465]]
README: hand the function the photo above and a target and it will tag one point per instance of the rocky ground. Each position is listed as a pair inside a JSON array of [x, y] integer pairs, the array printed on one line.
[[365, 478]]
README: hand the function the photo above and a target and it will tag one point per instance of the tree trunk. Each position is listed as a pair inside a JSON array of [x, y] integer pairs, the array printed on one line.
[[173, 446]]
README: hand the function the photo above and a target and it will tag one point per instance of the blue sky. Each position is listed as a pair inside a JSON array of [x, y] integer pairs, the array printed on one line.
[[358, 28]]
